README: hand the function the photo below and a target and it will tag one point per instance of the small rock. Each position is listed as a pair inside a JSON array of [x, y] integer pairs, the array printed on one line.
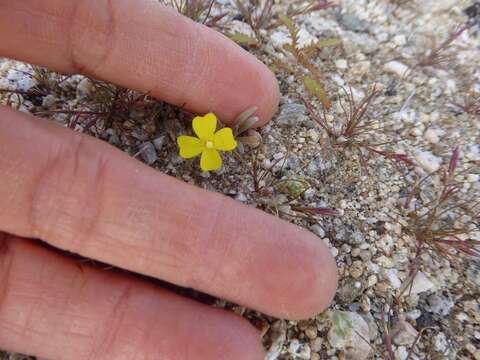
[[413, 314], [309, 194], [241, 197], [48, 101], [372, 325], [440, 343], [399, 40], [432, 136], [311, 332], [360, 69], [421, 283], [401, 353], [159, 142], [403, 333], [350, 333], [299, 351], [279, 335], [439, 304], [356, 270], [313, 134], [396, 67], [341, 64], [84, 87], [354, 42], [431, 6], [293, 162], [428, 161], [472, 178], [372, 280], [148, 153], [392, 276], [318, 230], [292, 114], [316, 344], [353, 23]]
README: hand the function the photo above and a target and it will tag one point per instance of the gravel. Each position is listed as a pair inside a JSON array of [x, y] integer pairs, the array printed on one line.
[[373, 235]]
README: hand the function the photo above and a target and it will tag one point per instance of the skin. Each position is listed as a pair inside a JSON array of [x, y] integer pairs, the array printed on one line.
[[82, 195]]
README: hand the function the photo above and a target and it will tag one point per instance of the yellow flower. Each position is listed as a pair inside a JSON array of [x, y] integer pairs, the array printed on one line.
[[208, 142]]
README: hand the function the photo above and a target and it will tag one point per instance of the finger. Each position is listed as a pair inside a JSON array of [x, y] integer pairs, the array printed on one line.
[[85, 196], [54, 308], [141, 45]]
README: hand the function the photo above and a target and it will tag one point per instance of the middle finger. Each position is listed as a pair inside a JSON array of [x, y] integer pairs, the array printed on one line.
[[83, 195]]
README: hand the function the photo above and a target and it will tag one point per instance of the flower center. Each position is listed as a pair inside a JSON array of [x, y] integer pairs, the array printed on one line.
[[209, 144]]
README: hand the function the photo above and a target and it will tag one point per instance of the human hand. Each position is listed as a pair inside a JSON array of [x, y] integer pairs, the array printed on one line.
[[81, 195]]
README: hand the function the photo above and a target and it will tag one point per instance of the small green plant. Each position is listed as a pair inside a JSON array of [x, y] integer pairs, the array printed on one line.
[[356, 130], [197, 10], [258, 14], [438, 55], [469, 104], [103, 106], [432, 224], [307, 73], [243, 129], [281, 195], [46, 83]]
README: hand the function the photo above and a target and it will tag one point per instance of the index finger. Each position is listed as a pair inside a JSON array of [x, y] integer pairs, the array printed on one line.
[[141, 45]]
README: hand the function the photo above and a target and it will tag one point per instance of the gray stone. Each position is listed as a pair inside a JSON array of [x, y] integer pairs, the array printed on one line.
[[440, 343], [292, 114], [279, 335], [421, 283], [403, 333], [148, 153], [350, 333], [372, 325], [440, 305], [353, 23], [159, 142]]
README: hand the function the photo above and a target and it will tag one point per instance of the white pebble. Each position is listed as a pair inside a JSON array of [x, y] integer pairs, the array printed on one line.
[[313, 134], [396, 67], [428, 161], [472, 177], [399, 40], [341, 64], [431, 136]]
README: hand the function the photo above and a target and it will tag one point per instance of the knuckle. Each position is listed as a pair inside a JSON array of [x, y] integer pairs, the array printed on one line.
[[198, 69], [219, 250], [91, 35], [110, 336], [68, 193]]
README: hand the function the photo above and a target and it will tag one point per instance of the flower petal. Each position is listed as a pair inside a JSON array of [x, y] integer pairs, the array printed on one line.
[[223, 140], [189, 146], [204, 126], [210, 160]]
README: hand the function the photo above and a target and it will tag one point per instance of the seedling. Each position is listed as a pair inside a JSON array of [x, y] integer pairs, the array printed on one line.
[[197, 10], [356, 129], [438, 55], [258, 14]]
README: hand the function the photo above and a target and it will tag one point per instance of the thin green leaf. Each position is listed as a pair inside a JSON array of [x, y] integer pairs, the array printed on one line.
[[288, 23], [248, 124], [316, 89], [243, 39], [328, 42], [251, 140]]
